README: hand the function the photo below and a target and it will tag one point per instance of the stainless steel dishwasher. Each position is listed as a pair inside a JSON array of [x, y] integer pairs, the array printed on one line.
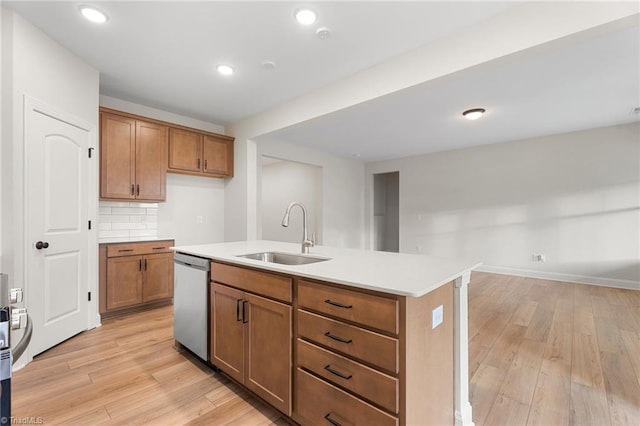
[[190, 300]]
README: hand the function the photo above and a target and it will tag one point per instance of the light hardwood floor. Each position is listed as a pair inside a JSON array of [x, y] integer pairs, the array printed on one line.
[[541, 353]]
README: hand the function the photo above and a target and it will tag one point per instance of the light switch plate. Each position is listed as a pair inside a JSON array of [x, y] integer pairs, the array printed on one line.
[[437, 316]]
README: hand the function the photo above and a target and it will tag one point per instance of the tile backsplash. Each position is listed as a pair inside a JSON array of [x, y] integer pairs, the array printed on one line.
[[127, 220]]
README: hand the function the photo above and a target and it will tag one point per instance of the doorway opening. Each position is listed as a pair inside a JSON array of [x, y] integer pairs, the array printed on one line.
[[283, 182], [386, 212]]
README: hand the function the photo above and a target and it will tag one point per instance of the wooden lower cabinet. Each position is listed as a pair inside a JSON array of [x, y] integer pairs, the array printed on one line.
[[360, 357], [363, 369], [135, 275], [251, 342], [125, 279]]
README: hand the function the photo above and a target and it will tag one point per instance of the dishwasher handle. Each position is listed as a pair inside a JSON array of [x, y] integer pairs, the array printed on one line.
[[192, 261]]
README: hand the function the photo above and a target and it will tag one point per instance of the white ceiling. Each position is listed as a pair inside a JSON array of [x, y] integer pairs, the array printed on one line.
[[163, 55], [586, 82]]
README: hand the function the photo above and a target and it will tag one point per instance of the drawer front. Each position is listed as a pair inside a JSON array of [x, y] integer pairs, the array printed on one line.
[[319, 403], [263, 283], [366, 309], [372, 385], [370, 347], [136, 249]]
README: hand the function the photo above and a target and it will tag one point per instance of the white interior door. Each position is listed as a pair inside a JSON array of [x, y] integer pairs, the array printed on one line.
[[56, 227]]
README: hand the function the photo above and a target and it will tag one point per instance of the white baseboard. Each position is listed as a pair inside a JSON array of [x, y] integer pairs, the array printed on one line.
[[555, 276]]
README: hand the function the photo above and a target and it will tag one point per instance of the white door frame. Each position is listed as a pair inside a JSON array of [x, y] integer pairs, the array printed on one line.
[[33, 104]]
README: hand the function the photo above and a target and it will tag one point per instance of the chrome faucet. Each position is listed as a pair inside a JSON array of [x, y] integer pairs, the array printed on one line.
[[306, 242]]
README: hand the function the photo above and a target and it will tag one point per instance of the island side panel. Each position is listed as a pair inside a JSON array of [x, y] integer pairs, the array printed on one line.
[[427, 395]]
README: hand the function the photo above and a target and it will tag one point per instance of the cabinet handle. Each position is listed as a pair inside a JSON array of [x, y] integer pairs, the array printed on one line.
[[337, 373], [338, 304], [137, 190], [337, 338], [145, 264], [238, 317], [133, 189], [198, 163], [140, 265], [123, 250], [328, 418], [205, 164], [159, 248], [244, 311]]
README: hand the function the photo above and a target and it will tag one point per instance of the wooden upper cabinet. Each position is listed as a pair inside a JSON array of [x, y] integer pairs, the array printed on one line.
[[133, 159], [151, 161], [117, 157], [200, 154], [218, 156], [185, 151]]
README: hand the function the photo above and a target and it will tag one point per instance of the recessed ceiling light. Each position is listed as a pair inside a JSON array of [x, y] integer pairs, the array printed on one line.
[[306, 16], [224, 69], [93, 14], [473, 114]]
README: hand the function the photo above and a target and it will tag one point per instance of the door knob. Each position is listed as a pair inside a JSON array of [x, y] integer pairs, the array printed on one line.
[[42, 245]]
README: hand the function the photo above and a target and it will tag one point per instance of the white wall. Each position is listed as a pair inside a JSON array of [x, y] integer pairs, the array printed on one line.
[[342, 192], [282, 183], [574, 197], [36, 66], [194, 210]]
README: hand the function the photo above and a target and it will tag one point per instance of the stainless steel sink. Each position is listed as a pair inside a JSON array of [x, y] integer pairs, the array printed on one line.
[[284, 258]]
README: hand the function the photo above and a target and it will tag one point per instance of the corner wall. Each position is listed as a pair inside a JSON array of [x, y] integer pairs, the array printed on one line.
[[573, 197], [342, 192]]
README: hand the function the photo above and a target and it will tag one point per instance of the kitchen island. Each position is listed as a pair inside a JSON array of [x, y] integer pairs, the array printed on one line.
[[375, 337]]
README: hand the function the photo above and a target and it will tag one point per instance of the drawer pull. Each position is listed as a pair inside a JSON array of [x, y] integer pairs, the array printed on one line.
[[123, 250], [159, 248], [328, 418], [338, 304], [337, 373], [338, 338]]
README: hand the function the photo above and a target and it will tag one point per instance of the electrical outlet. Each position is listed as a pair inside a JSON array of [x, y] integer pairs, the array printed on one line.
[[198, 219], [539, 257], [437, 316]]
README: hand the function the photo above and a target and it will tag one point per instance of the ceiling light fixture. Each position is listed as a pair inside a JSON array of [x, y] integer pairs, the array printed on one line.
[[224, 69], [473, 114], [306, 16], [93, 14]]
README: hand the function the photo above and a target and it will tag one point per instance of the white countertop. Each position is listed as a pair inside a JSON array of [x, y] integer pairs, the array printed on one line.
[[112, 240], [402, 274]]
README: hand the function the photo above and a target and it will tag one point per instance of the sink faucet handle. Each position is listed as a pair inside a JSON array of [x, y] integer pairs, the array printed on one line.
[[313, 238]]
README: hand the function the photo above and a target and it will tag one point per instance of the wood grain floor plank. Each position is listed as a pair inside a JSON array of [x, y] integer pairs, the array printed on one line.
[[552, 395], [589, 406], [623, 391], [483, 390], [586, 368], [507, 412]]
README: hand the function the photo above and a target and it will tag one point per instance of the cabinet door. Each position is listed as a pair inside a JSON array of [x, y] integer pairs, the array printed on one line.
[[227, 330], [218, 156], [185, 150], [117, 157], [151, 161], [157, 277], [268, 351], [124, 281]]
